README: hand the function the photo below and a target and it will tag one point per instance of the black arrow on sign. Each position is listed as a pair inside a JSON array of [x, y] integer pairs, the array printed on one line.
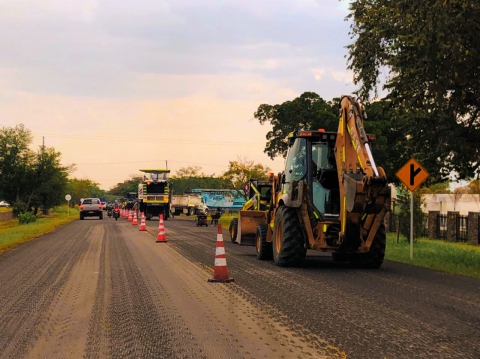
[[413, 173]]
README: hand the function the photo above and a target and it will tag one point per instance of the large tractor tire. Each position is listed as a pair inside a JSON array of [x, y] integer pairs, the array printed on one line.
[[373, 259], [288, 242], [233, 229], [264, 248]]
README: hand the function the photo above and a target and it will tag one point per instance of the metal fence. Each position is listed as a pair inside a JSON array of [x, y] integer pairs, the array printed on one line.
[[461, 228], [441, 226], [392, 222]]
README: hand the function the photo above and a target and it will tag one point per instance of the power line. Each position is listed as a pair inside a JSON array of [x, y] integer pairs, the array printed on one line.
[[153, 160], [146, 139]]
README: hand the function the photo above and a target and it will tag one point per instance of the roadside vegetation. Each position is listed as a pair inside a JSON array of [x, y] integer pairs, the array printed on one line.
[[451, 257], [12, 233]]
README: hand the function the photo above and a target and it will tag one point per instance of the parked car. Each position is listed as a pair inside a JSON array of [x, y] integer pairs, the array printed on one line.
[[4, 204]]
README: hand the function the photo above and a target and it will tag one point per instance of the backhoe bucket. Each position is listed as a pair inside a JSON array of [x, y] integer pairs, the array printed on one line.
[[248, 222]]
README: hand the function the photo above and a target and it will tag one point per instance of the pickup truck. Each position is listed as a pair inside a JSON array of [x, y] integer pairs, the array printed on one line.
[[91, 207]]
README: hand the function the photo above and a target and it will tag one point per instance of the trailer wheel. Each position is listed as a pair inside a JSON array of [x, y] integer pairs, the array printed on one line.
[[288, 242], [373, 259], [233, 229], [264, 248], [190, 211]]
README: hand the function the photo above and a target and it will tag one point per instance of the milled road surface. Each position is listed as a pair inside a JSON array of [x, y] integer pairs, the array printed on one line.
[[399, 311], [102, 289]]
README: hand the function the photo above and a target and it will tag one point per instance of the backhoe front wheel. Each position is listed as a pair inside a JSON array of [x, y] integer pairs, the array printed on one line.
[[264, 248], [373, 259], [288, 242]]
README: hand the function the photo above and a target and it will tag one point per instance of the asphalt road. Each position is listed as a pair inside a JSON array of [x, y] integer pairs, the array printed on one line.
[[103, 289]]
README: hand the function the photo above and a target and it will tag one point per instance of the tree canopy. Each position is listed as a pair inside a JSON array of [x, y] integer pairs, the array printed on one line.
[[35, 179], [307, 112], [430, 53], [188, 178], [242, 170]]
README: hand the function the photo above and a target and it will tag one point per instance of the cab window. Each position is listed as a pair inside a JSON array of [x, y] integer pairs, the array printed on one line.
[[296, 166]]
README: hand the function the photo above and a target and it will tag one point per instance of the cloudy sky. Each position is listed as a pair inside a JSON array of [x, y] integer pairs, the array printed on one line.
[[119, 85]]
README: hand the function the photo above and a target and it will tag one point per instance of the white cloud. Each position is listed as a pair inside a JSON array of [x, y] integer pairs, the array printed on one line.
[[343, 76], [318, 73], [82, 10]]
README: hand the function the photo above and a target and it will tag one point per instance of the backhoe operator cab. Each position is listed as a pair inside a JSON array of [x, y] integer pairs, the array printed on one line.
[[330, 197], [316, 148]]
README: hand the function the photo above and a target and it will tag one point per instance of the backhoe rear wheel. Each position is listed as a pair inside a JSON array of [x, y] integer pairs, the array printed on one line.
[[233, 229], [264, 248], [373, 259], [288, 242]]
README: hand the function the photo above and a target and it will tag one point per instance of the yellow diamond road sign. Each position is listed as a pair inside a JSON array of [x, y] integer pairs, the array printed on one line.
[[412, 174]]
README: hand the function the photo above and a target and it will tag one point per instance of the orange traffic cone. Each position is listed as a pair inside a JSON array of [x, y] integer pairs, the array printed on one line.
[[220, 271], [161, 231], [143, 225], [130, 218], [135, 218]]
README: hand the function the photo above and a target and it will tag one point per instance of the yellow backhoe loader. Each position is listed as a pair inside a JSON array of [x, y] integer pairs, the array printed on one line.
[[331, 197]]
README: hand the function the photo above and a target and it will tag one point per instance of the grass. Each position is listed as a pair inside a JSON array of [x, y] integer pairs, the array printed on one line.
[[458, 258], [12, 234], [451, 257], [226, 219]]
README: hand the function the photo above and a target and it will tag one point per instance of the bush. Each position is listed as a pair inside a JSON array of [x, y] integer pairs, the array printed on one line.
[[18, 208], [27, 217], [403, 213]]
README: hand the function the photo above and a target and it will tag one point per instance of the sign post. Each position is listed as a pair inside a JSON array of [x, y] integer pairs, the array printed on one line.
[[412, 175], [68, 198]]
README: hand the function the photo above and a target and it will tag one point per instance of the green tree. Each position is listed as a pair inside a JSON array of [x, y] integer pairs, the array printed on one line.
[[48, 180], [242, 170], [15, 161], [474, 186], [430, 52], [129, 185], [439, 188], [83, 188], [30, 180], [307, 112], [188, 178]]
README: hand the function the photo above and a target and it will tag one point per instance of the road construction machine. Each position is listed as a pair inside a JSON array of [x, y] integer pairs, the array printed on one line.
[[253, 213], [331, 197], [154, 193]]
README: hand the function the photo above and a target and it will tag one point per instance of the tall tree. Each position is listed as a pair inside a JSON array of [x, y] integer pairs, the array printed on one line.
[[430, 52], [307, 112], [15, 161], [242, 170], [48, 180]]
